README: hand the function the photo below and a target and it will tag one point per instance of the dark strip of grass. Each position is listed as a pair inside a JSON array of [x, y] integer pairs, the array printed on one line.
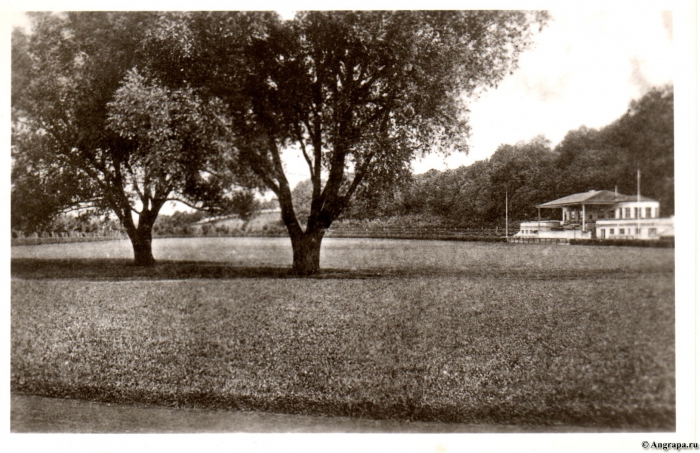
[[123, 269], [659, 244]]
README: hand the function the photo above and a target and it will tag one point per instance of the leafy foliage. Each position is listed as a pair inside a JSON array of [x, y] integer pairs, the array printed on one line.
[[91, 122], [179, 223], [358, 93], [41, 188], [77, 63], [525, 172], [645, 133]]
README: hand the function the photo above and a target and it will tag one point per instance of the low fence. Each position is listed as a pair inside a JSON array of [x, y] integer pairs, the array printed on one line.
[[341, 231], [520, 240], [67, 237], [420, 232], [660, 243], [371, 232]]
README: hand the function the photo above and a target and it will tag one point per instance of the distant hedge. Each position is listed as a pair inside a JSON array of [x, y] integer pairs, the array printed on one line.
[[659, 243]]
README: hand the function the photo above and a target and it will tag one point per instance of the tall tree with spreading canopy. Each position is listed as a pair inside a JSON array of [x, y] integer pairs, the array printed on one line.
[[357, 94], [91, 121]]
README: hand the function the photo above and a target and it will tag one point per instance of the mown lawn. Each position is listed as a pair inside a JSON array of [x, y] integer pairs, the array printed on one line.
[[423, 330]]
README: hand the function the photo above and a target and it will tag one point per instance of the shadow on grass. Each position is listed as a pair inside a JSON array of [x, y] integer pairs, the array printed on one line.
[[124, 269]]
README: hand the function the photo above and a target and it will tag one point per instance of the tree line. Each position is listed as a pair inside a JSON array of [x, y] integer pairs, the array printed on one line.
[[534, 172]]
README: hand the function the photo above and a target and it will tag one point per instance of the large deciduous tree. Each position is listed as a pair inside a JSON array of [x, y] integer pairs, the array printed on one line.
[[357, 94], [91, 123]]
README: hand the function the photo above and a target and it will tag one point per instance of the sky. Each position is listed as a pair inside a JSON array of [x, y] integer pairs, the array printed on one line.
[[583, 70]]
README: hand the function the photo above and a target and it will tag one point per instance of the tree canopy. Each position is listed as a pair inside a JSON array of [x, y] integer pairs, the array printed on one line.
[[358, 94], [95, 129]]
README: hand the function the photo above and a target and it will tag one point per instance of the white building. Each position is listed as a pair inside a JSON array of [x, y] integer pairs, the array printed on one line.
[[600, 214]]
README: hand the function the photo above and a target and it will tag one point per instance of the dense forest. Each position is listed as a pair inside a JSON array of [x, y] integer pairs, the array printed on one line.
[[534, 172]]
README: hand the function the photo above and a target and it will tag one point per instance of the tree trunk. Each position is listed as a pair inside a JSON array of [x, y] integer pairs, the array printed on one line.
[[141, 239], [307, 251]]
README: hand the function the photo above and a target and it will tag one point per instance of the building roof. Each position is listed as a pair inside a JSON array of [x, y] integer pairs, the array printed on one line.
[[605, 197]]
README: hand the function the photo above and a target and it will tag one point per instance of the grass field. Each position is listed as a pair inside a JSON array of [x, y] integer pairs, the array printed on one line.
[[423, 330]]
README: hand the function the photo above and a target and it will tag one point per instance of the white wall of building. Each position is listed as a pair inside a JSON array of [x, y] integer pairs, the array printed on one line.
[[633, 228], [628, 210]]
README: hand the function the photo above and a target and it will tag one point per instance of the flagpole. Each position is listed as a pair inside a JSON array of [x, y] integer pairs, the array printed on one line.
[[506, 213], [639, 207]]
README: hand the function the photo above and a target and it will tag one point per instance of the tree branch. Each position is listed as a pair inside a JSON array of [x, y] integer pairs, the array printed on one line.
[[359, 175], [285, 194], [262, 174], [185, 202], [80, 165], [302, 143]]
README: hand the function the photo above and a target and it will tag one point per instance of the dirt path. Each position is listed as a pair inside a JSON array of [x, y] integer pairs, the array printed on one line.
[[49, 415]]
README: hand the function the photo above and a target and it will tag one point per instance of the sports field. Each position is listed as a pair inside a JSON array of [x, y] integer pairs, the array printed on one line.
[[424, 330]]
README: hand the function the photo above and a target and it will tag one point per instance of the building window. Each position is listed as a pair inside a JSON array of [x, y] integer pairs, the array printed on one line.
[[652, 232], [612, 231], [637, 231], [636, 213], [622, 231], [656, 212], [648, 213], [627, 213], [611, 214], [590, 216]]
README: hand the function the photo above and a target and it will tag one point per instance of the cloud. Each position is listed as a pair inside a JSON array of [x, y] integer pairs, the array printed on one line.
[[546, 89], [667, 19], [637, 77]]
